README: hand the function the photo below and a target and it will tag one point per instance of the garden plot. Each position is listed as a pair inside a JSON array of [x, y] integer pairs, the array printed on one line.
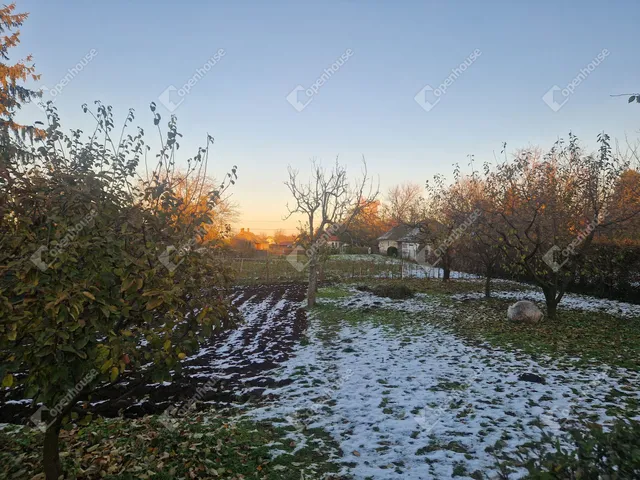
[[406, 400], [239, 362]]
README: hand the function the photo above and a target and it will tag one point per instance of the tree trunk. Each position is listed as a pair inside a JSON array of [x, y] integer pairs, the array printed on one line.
[[446, 266], [550, 300], [320, 276], [487, 285], [50, 454], [313, 283], [445, 272]]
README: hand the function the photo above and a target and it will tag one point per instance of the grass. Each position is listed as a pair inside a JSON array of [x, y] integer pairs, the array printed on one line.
[[591, 337], [199, 447]]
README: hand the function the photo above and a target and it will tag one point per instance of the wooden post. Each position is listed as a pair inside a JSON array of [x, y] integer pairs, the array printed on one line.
[[267, 265]]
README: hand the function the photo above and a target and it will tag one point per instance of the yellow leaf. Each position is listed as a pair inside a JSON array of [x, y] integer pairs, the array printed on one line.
[[89, 295], [7, 381], [106, 365], [114, 374], [12, 335], [153, 303], [126, 284], [182, 356], [167, 345]]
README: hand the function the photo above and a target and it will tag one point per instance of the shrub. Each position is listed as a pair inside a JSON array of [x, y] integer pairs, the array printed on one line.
[[396, 292], [104, 277], [354, 250], [598, 455]]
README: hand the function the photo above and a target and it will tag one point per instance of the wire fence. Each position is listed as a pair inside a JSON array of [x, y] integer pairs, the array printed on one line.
[[338, 268]]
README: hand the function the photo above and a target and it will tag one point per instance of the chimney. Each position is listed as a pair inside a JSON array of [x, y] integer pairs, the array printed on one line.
[[248, 230], [242, 230]]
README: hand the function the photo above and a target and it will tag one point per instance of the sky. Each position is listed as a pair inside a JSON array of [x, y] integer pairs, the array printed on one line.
[[383, 62]]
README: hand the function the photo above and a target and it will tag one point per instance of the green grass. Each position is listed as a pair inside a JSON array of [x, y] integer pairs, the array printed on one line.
[[592, 337], [200, 447], [333, 292]]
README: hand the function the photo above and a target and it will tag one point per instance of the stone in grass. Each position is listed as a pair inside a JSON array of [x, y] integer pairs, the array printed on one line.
[[524, 311], [533, 378]]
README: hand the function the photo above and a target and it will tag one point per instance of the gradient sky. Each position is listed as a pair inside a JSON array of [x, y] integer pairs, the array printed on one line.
[[367, 107]]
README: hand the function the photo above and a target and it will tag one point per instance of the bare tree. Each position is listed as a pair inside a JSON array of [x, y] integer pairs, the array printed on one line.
[[328, 203], [405, 204]]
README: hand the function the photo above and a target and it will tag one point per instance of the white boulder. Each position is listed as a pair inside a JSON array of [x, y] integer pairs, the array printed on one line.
[[524, 311]]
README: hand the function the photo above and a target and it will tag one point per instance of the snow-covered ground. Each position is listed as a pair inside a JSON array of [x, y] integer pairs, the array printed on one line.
[[571, 301], [373, 257], [406, 400]]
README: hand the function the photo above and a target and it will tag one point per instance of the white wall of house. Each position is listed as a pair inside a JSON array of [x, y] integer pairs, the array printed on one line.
[[410, 250], [383, 245]]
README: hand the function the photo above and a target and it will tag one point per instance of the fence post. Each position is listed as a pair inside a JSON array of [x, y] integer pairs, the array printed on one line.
[[267, 265]]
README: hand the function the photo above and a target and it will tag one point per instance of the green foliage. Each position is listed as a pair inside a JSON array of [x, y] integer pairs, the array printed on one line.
[[204, 447], [103, 277], [396, 291], [598, 454]]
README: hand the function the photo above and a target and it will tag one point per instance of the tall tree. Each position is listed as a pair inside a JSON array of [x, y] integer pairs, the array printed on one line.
[[328, 202], [199, 196], [405, 204], [13, 94], [366, 226], [548, 209]]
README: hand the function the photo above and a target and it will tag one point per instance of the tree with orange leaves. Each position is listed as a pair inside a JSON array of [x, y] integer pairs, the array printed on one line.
[[199, 196], [12, 94]]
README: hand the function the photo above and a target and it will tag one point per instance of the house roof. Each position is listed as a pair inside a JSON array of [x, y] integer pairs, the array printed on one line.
[[401, 233], [410, 233]]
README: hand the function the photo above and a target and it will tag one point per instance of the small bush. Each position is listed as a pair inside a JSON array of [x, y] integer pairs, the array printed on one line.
[[612, 455], [354, 250], [396, 292]]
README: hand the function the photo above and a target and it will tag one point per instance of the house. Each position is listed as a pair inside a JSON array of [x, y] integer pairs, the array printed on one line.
[[334, 242], [402, 241], [247, 240], [281, 248]]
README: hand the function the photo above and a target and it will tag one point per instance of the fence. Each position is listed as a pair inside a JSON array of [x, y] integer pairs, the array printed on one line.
[[338, 268]]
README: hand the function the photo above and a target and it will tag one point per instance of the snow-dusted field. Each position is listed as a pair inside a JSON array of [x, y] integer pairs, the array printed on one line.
[[571, 301], [405, 400]]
